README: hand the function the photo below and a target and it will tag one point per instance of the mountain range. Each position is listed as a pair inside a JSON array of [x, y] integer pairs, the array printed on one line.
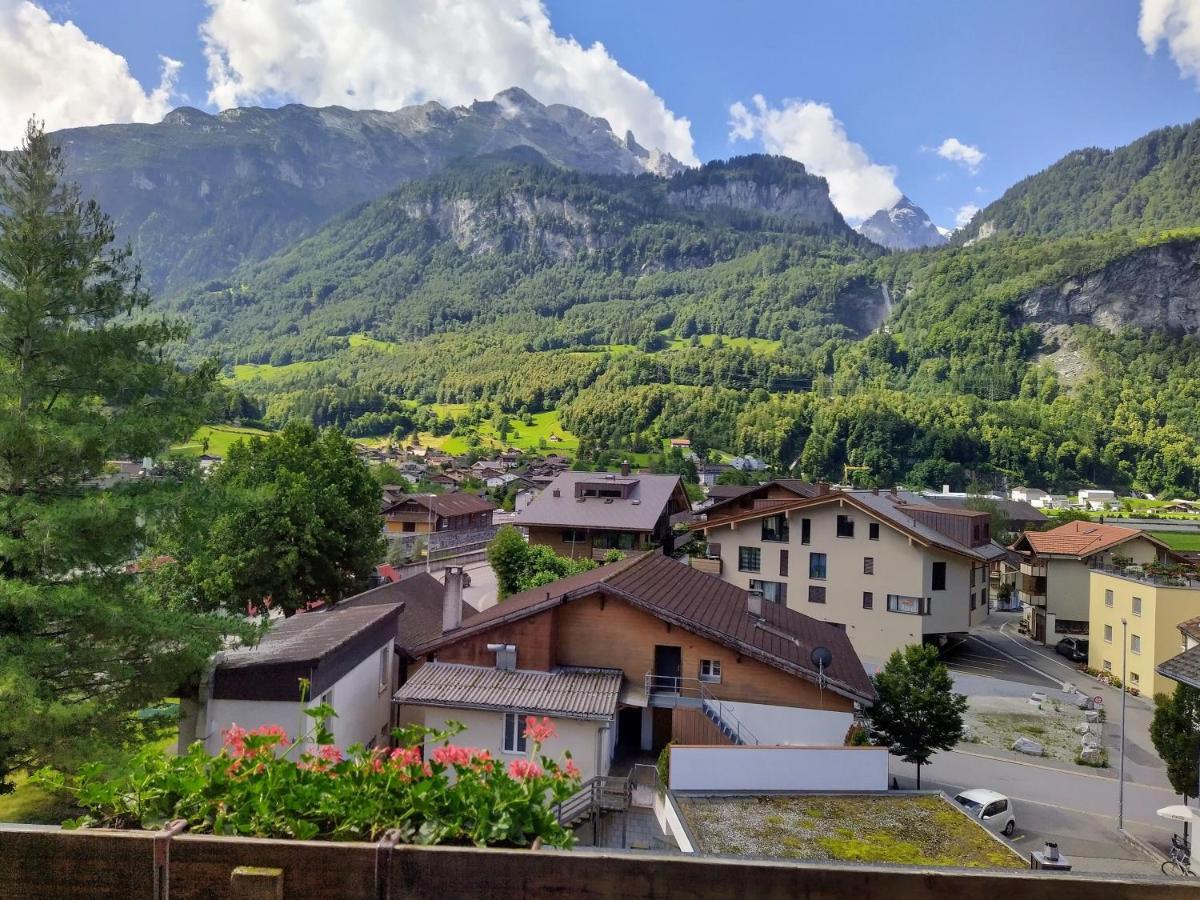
[[519, 256]]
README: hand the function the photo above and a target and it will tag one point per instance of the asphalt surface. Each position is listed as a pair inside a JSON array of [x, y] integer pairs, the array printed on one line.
[[977, 655]]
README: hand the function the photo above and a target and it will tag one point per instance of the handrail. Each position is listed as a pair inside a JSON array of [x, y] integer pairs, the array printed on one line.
[[694, 688], [591, 796]]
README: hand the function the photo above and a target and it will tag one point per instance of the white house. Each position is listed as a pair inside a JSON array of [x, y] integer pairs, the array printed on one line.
[[1092, 498], [1035, 497]]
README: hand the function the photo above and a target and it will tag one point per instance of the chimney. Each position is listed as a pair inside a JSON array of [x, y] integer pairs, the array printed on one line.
[[452, 599], [506, 656], [625, 467], [893, 490], [556, 492], [754, 602], [822, 488]]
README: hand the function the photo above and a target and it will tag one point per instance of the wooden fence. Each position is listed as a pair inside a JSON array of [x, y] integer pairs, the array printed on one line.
[[38, 862]]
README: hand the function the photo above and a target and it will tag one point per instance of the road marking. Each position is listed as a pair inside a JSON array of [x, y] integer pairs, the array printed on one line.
[[1020, 662]]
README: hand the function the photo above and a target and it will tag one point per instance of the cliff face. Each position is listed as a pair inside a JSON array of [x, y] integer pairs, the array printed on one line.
[[807, 205], [1158, 287]]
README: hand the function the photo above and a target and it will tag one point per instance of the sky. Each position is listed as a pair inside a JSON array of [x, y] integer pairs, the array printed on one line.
[[947, 102]]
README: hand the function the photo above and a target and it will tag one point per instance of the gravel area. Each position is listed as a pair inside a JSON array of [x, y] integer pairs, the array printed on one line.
[[870, 828], [999, 721]]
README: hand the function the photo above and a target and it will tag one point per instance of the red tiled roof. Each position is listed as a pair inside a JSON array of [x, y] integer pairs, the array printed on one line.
[[700, 603], [1078, 538]]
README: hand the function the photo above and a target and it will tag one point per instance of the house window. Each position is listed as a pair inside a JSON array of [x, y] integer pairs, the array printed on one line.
[[805, 531], [1137, 606], [574, 536], [816, 565], [845, 527], [868, 600], [939, 576], [749, 559], [514, 733], [1108, 598], [1108, 665], [1135, 644], [873, 531], [868, 565], [775, 528], [1108, 634], [710, 671], [816, 593], [1134, 678], [913, 606], [772, 591], [972, 600], [783, 562], [385, 679]]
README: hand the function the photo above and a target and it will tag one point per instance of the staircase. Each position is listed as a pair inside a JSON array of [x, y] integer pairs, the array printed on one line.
[[732, 731], [595, 797]]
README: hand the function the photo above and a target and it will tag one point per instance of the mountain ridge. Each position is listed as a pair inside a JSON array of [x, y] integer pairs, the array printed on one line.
[[903, 226]]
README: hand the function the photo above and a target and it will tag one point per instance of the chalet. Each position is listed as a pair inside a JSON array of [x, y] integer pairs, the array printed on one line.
[[442, 479], [681, 443], [1056, 566], [632, 655], [889, 568], [426, 513], [1019, 514], [586, 514]]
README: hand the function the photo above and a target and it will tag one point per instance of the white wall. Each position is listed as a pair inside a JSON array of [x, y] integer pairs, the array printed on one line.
[[792, 725], [485, 729], [779, 768], [249, 714]]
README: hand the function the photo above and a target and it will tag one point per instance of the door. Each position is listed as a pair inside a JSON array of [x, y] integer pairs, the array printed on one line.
[[1039, 626], [668, 668]]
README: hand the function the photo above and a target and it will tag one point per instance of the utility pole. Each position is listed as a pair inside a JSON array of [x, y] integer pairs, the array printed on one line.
[[1121, 776]]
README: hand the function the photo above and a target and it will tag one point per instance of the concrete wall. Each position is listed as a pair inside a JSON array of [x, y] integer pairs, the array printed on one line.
[[785, 725], [587, 741], [1163, 608], [900, 567], [779, 768]]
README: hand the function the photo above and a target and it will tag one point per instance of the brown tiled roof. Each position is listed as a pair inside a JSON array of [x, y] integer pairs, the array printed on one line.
[[566, 692], [1079, 539], [421, 619], [699, 603], [1191, 628], [456, 504]]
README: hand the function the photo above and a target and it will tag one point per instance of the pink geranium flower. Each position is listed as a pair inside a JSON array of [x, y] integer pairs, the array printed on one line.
[[523, 769], [539, 732]]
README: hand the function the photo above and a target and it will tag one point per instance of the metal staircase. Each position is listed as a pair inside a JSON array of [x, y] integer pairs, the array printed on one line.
[[673, 691], [595, 797]]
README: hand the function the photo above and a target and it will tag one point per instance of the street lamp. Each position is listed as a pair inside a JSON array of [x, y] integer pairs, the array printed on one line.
[[1121, 776]]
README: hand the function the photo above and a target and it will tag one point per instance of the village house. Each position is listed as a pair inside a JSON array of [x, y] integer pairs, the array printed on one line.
[[1095, 499], [630, 656], [354, 655], [1160, 615], [888, 567], [587, 514], [708, 473], [438, 513], [1055, 587], [1035, 497]]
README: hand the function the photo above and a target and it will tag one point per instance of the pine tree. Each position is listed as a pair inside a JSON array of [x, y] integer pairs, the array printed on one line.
[[83, 641], [916, 710]]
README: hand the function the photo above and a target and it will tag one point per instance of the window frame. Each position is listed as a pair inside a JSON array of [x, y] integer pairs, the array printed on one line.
[[868, 565], [872, 531], [520, 743], [1108, 634], [385, 670], [816, 591], [805, 531], [1108, 597], [868, 600], [847, 531], [713, 675], [1135, 644], [782, 528], [1136, 605], [757, 554], [937, 568], [778, 588], [813, 556]]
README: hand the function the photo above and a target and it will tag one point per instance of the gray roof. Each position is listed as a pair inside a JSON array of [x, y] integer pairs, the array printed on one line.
[[422, 596], [884, 503], [1017, 510], [574, 693], [1184, 668], [649, 498]]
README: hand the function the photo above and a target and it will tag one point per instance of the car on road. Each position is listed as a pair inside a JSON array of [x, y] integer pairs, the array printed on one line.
[[994, 811], [1074, 649]]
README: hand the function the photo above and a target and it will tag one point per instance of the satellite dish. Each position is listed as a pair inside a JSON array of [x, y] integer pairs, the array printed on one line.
[[821, 657]]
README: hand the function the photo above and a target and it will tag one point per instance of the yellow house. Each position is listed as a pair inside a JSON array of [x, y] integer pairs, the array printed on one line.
[[1153, 609]]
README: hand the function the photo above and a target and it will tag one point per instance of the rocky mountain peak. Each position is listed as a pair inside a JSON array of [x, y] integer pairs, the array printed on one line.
[[903, 226]]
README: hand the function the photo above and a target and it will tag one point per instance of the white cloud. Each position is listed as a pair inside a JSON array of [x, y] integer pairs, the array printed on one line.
[[965, 214], [53, 71], [809, 132], [1177, 23], [385, 54], [965, 154]]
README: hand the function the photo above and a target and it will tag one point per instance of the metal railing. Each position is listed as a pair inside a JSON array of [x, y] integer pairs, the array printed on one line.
[[601, 794], [696, 691], [1184, 578]]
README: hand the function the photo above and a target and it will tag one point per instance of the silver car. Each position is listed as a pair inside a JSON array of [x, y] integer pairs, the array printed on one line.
[[994, 810]]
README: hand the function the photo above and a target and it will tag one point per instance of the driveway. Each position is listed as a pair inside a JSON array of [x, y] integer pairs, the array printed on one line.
[[975, 656]]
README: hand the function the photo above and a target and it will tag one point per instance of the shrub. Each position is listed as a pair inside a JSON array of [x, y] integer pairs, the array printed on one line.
[[263, 785], [664, 766]]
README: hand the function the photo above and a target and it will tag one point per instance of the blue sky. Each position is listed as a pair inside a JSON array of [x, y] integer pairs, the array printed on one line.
[[1021, 82]]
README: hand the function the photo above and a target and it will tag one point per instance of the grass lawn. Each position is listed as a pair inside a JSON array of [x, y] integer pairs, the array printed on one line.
[[523, 437], [268, 372], [362, 340], [757, 345], [32, 805], [864, 828], [1179, 540], [220, 439]]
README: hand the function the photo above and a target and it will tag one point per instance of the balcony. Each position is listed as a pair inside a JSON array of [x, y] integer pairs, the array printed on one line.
[[1034, 570], [705, 564], [1034, 588]]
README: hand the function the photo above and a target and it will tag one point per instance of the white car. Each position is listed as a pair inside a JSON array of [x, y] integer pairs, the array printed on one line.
[[994, 810]]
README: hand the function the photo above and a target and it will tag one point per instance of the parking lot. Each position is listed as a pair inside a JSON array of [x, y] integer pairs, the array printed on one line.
[[974, 655]]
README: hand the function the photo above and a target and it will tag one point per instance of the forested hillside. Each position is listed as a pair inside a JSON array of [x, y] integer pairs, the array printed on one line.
[[1153, 183], [732, 304]]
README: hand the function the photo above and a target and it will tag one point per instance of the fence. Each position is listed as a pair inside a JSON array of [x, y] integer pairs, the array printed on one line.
[[119, 865], [777, 768]]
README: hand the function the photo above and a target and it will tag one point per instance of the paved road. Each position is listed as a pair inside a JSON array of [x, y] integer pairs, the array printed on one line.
[[976, 656], [482, 592]]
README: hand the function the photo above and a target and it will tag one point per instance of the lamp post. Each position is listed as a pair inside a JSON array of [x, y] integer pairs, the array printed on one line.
[[1121, 776]]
